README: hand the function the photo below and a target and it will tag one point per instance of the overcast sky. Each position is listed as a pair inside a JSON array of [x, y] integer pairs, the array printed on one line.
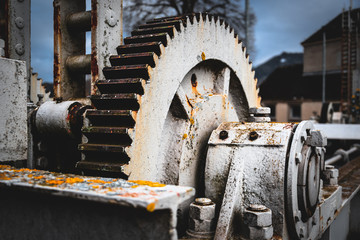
[[281, 26]]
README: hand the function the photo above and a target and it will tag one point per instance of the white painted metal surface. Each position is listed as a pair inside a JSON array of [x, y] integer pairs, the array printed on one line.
[[277, 165], [172, 148], [253, 172], [13, 117], [340, 131]]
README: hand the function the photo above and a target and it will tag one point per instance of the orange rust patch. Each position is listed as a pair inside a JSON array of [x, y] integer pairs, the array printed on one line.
[[203, 57], [147, 183], [98, 181], [192, 121], [74, 180], [151, 207], [4, 176], [54, 182], [184, 136]]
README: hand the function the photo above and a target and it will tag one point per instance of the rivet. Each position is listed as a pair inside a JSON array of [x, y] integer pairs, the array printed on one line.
[[19, 22], [19, 49]]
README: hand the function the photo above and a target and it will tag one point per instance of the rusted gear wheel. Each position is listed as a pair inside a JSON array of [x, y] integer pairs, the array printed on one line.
[[173, 82]]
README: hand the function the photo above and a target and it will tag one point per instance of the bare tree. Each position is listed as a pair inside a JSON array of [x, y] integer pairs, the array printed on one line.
[[137, 12]]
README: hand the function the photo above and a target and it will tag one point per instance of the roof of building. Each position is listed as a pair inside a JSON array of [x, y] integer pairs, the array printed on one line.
[[264, 70], [333, 29], [288, 84]]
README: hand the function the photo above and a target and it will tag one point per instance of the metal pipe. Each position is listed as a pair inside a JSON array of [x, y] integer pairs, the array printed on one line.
[[55, 120], [80, 21], [79, 63], [341, 155]]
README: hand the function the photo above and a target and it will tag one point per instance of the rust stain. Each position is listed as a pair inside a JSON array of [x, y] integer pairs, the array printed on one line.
[[147, 183], [94, 60], [151, 207], [203, 57], [57, 50]]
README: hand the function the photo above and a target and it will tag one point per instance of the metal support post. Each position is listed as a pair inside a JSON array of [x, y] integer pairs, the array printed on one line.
[[67, 43], [71, 21], [17, 39], [106, 35]]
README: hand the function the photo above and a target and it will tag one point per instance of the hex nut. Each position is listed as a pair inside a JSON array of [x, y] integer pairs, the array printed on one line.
[[258, 218], [201, 226], [260, 233], [206, 212]]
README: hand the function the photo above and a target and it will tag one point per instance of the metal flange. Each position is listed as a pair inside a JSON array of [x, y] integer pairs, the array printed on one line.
[[304, 166]]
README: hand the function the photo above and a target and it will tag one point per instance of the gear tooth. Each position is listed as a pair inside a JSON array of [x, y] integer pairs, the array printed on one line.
[[221, 21], [200, 18], [191, 18], [252, 73], [256, 81], [207, 18]]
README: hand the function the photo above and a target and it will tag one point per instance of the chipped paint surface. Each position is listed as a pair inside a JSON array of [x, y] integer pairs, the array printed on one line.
[[13, 120], [143, 194], [170, 89]]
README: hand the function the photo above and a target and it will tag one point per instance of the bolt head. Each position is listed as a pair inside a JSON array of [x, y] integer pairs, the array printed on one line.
[[202, 212], [260, 232], [258, 218], [223, 135]]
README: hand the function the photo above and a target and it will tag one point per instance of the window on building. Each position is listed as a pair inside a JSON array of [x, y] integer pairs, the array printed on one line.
[[295, 112]]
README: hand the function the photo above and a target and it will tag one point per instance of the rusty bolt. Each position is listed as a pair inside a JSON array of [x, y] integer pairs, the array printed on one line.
[[253, 136], [223, 135], [257, 216]]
